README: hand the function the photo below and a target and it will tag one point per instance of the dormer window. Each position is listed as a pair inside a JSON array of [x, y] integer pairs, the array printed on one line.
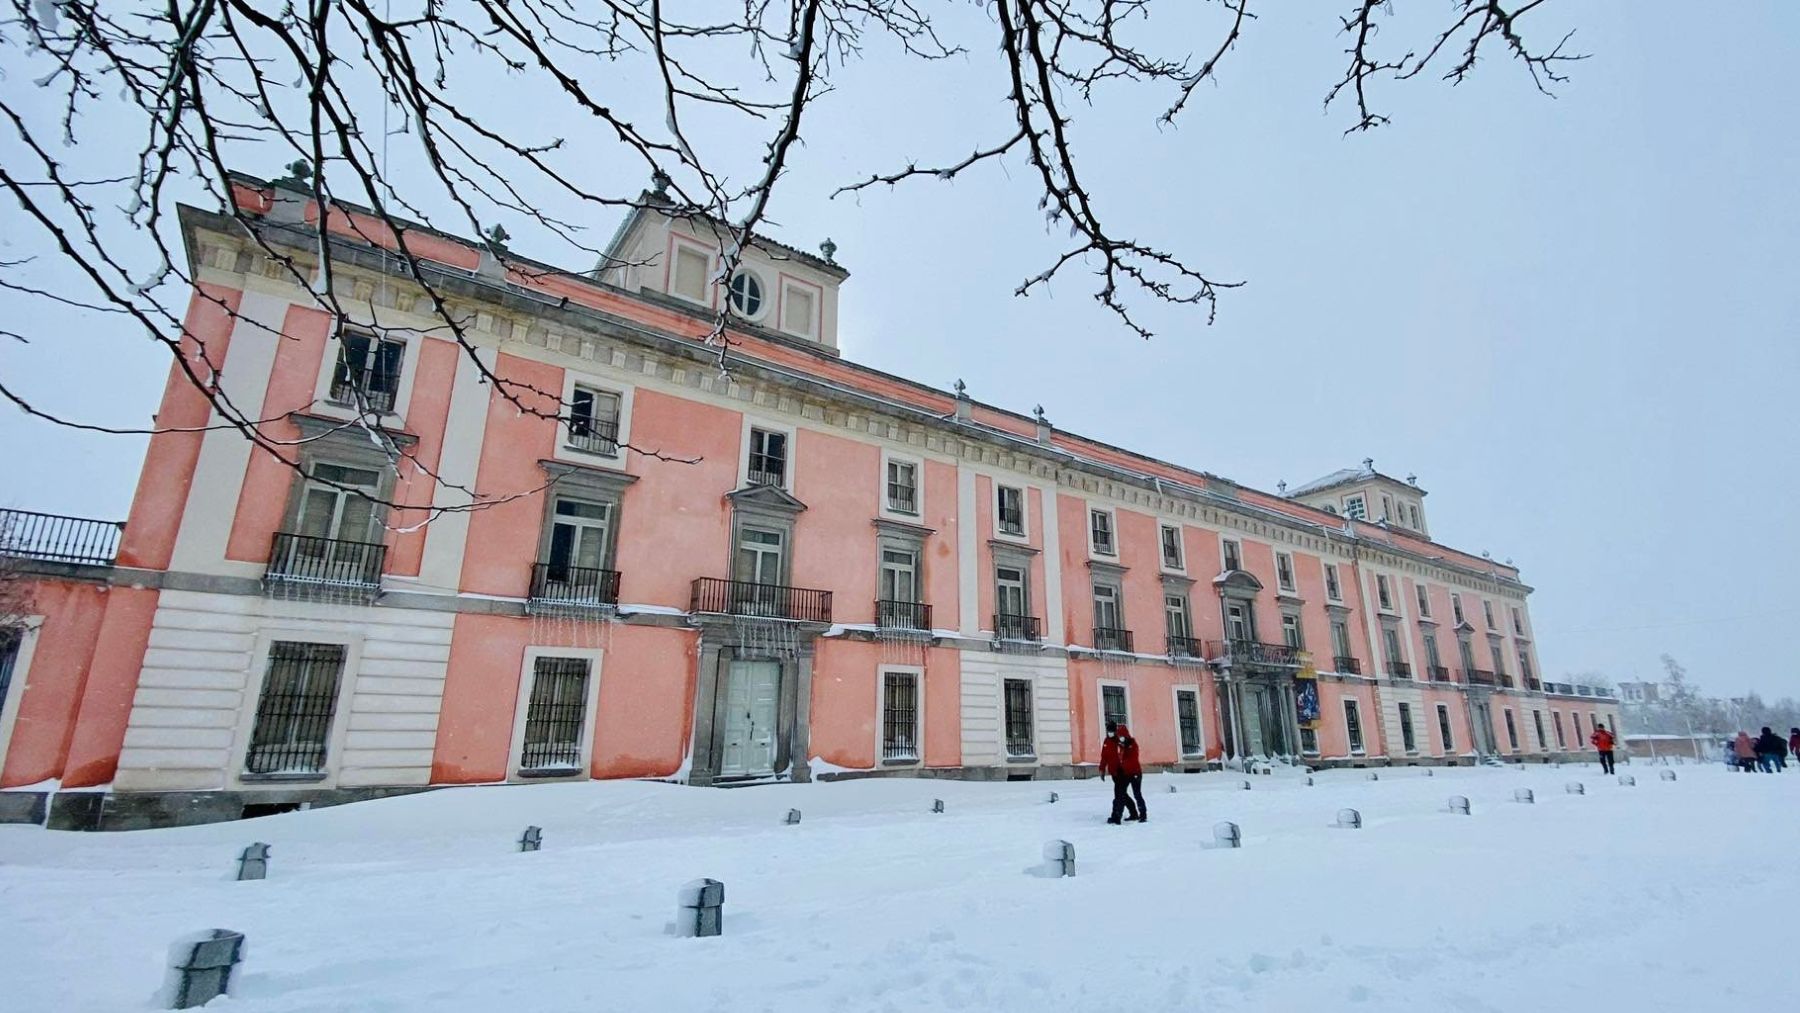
[[799, 311], [1354, 508], [687, 277], [746, 295]]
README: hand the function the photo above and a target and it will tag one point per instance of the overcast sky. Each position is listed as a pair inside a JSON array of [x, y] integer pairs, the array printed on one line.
[[1575, 319]]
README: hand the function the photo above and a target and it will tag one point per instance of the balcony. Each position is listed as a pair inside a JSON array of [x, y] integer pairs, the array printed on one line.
[[903, 499], [1505, 681], [307, 561], [1346, 664], [1533, 685], [557, 588], [1010, 627], [595, 436], [1256, 653], [761, 601], [1438, 673], [1478, 677], [29, 535], [1186, 647], [1399, 670], [902, 616], [1111, 638]]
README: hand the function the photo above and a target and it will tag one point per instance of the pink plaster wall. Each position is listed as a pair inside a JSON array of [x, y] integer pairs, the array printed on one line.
[[427, 415], [503, 538], [674, 526], [98, 731], [299, 354], [846, 717], [52, 687]]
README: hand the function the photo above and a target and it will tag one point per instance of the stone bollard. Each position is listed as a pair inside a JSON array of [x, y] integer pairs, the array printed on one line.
[[702, 910], [1627, 781], [1523, 795], [1245, 786], [1459, 804], [793, 817], [1668, 775], [1309, 781], [937, 805], [532, 839], [1061, 856], [200, 968], [1429, 772], [1227, 835], [1374, 775], [1053, 797], [1171, 789], [1575, 788], [1349, 819], [254, 862]]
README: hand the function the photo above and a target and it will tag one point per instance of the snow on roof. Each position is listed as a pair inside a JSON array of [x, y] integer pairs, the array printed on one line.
[[1336, 478]]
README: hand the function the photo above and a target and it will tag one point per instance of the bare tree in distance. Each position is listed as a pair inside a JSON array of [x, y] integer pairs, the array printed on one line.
[[113, 111]]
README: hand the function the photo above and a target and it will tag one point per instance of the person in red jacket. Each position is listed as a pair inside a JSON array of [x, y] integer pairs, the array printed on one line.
[[1112, 764], [1603, 741], [1131, 774]]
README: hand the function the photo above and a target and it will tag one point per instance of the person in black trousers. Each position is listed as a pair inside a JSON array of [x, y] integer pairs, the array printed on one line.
[[1131, 773], [1110, 766]]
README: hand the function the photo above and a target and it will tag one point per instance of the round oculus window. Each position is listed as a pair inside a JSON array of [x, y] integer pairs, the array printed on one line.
[[746, 294]]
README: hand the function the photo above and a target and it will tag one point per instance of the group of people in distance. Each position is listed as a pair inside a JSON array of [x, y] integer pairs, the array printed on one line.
[[1766, 752]]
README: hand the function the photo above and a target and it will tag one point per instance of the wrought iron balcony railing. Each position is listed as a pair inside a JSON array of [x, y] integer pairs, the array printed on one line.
[[903, 499], [1438, 673], [902, 615], [310, 561], [555, 584], [1185, 647], [1112, 638], [1478, 677], [31, 535], [596, 436], [1399, 670], [1345, 663], [1011, 627], [763, 601], [1505, 681], [1255, 652], [1534, 685]]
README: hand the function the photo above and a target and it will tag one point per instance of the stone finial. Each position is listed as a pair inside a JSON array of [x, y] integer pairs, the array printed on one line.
[[1045, 431], [961, 388], [299, 172], [1509, 561], [659, 184], [496, 238], [1038, 413], [1368, 464], [1281, 487], [1485, 555], [1412, 479], [829, 249]]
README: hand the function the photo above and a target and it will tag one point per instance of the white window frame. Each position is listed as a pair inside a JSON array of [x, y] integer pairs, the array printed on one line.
[[709, 258], [1334, 583], [1406, 719], [522, 704], [1352, 706], [1387, 509], [1422, 594], [768, 296], [1030, 680], [886, 509], [789, 283], [1361, 513], [1456, 608], [1487, 613], [1180, 565], [918, 674], [1518, 621], [793, 448], [1024, 535], [1112, 523], [1384, 593], [1224, 562], [1292, 585], [1175, 692], [1293, 619], [1412, 511], [617, 462], [1100, 686], [323, 406], [15, 690], [1118, 604], [257, 680]]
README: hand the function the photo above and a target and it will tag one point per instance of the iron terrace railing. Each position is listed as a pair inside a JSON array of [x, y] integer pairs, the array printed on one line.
[[765, 601], [1112, 638], [31, 535], [1011, 627], [1478, 677], [1399, 670], [1345, 663], [902, 615], [1255, 652], [1185, 647], [557, 584], [1438, 673], [305, 560]]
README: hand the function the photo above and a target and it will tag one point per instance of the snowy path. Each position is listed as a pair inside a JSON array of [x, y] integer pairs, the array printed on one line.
[[1640, 898]]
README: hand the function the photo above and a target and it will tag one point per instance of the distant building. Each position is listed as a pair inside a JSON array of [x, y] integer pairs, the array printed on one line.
[[1641, 692]]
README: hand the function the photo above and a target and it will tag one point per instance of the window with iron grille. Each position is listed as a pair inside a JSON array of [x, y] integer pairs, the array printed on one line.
[[768, 457], [1018, 718], [295, 711], [1233, 554], [1512, 731], [1284, 571], [1187, 717], [1332, 589], [556, 716], [1537, 719], [903, 487], [1112, 706], [1407, 739], [368, 371], [1010, 502], [1444, 728], [594, 421], [1424, 600], [1353, 726], [900, 716], [1172, 556], [1100, 524], [1382, 594]]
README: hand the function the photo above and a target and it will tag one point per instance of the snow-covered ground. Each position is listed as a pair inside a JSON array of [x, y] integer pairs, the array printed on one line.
[[1665, 896]]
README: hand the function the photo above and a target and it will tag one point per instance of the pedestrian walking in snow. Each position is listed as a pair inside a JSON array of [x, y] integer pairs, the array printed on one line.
[[1794, 743], [1111, 765], [1603, 744], [1133, 771], [1771, 752], [1745, 751]]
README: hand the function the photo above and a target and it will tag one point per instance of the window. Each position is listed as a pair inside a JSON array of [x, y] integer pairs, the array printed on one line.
[[1512, 731], [1494, 657], [1233, 554], [1468, 654], [1424, 600], [1391, 638], [1487, 611], [1353, 727], [1382, 592], [1340, 641], [294, 713], [899, 576], [1556, 723], [903, 487], [1444, 729], [1518, 622], [1456, 607], [556, 716], [1524, 662], [1576, 718], [1010, 503], [338, 503], [746, 294], [1407, 739], [1177, 625], [1353, 507], [797, 311], [1387, 508], [1187, 720], [1537, 719], [1106, 617], [1290, 631], [1018, 718], [1238, 625], [759, 556], [768, 457], [1010, 602], [1309, 737], [367, 376], [1431, 655], [1284, 570], [900, 716], [1100, 530], [689, 281], [1412, 511], [1172, 556], [594, 421], [1112, 706], [578, 541], [1333, 590]]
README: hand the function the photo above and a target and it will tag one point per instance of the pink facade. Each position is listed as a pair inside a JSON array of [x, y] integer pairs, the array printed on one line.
[[838, 573]]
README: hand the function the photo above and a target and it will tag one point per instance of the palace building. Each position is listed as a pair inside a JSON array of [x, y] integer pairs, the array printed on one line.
[[578, 549]]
